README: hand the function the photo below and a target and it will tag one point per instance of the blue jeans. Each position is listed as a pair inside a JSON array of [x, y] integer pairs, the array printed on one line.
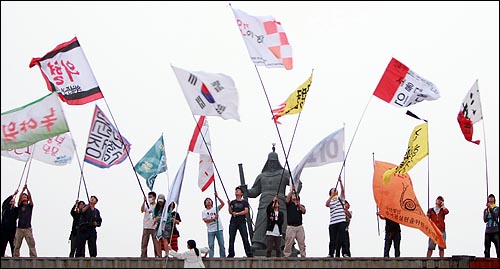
[[242, 227], [220, 240]]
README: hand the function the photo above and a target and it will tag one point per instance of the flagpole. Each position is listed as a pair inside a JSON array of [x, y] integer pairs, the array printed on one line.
[[29, 166], [484, 142], [376, 207], [24, 169], [344, 169], [82, 178]]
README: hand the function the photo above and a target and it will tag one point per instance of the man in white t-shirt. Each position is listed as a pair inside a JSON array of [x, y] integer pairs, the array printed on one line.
[[214, 225], [149, 226]]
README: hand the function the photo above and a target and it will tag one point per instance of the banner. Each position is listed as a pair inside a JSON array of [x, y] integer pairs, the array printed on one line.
[[153, 163]]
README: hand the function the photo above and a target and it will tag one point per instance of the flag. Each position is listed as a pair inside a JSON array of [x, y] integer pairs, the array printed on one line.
[[470, 113], [418, 148], [397, 202], [265, 39], [295, 101], [36, 121], [153, 163], [206, 172], [209, 94], [67, 72], [57, 150], [402, 87], [201, 135], [173, 196], [328, 150], [104, 145]]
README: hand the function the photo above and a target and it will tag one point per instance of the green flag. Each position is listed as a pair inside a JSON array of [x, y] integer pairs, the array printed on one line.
[[153, 163], [36, 121]]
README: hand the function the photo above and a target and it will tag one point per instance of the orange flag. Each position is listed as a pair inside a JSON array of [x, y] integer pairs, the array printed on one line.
[[397, 202]]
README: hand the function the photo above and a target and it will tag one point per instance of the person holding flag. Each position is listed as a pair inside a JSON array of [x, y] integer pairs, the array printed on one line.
[[437, 214], [490, 217], [211, 217]]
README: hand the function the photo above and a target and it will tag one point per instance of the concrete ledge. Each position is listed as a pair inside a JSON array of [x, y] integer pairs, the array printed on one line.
[[256, 262]]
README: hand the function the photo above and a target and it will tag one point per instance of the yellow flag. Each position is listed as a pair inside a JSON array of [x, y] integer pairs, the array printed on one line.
[[418, 148], [295, 101]]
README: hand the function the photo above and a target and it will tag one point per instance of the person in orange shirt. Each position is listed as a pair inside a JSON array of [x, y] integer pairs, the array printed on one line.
[[437, 214]]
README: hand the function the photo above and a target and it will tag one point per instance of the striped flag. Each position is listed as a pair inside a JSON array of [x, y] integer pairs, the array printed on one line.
[[402, 87], [67, 72], [200, 141]]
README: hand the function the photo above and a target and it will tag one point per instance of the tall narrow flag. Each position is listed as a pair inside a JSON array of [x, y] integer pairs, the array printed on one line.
[[36, 121], [153, 163], [397, 202], [328, 150], [209, 94], [470, 113], [66, 71], [402, 87], [104, 145], [295, 101], [173, 196], [418, 148], [201, 136], [57, 150], [265, 40]]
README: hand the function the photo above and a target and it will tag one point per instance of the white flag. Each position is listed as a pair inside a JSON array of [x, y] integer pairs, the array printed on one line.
[[209, 94], [206, 172], [329, 150], [57, 150], [265, 40], [201, 135]]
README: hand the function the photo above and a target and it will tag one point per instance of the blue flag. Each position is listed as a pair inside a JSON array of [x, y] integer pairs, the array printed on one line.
[[153, 163]]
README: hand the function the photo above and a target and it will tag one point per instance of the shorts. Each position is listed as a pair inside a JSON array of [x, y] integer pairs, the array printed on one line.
[[432, 245]]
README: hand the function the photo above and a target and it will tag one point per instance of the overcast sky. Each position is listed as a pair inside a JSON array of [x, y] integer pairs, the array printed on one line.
[[131, 45]]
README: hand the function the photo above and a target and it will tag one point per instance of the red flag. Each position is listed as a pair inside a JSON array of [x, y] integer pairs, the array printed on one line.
[[470, 113], [67, 72]]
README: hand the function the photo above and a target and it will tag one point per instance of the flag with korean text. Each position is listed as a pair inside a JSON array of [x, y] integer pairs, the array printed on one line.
[[265, 39], [200, 143], [66, 71], [328, 150], [418, 148], [153, 163], [470, 113], [173, 196], [402, 87], [36, 121], [295, 101], [209, 94], [397, 201], [105, 146], [57, 150]]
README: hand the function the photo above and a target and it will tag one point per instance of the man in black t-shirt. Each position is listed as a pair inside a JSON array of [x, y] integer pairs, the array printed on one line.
[[392, 234], [294, 229], [238, 209], [25, 209]]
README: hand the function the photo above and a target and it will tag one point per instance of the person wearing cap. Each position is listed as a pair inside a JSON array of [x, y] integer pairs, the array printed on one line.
[[437, 214], [192, 257], [490, 217]]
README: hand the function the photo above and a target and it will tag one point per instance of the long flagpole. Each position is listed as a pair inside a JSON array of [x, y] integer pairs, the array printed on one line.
[[484, 143], [376, 207]]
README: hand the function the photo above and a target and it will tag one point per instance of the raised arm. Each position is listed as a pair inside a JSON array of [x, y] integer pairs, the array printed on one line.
[[220, 201], [143, 206], [30, 199]]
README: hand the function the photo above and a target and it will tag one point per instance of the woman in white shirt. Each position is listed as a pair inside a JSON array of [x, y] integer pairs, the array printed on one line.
[[191, 257]]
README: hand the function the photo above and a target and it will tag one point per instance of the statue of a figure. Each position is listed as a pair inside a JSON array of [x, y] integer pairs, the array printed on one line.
[[272, 177]]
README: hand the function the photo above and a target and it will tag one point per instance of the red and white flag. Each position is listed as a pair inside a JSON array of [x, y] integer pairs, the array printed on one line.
[[209, 94], [105, 146], [265, 40], [67, 72], [201, 137], [206, 172], [402, 87], [470, 112], [57, 150]]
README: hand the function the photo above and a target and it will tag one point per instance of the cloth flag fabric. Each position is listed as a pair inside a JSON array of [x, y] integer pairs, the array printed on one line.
[[418, 148], [66, 71], [57, 150], [209, 94], [201, 135], [153, 163], [295, 101], [402, 87], [104, 145], [36, 121], [173, 196], [265, 39], [328, 150], [470, 113], [397, 201]]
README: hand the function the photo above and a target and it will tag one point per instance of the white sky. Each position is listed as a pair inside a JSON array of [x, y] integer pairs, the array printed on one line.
[[130, 47]]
